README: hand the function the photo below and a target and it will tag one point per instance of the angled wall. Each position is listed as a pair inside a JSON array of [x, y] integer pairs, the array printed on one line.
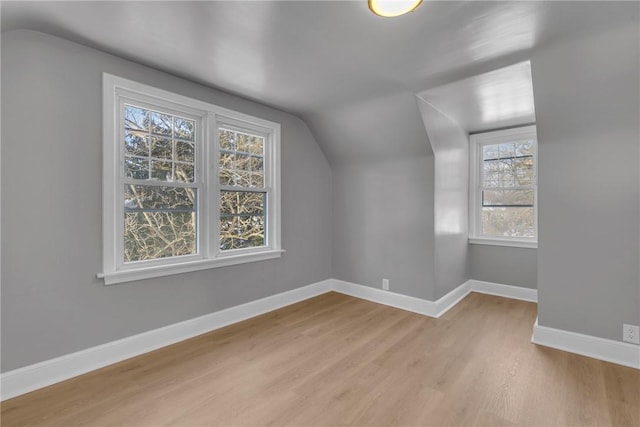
[[52, 302], [451, 198]]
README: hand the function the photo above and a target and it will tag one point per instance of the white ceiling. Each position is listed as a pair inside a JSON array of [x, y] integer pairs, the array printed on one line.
[[350, 74]]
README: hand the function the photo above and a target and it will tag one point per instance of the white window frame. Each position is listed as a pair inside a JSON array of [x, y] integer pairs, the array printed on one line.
[[117, 91], [476, 141]]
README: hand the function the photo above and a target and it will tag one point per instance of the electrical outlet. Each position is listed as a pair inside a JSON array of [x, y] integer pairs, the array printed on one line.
[[385, 284], [631, 333]]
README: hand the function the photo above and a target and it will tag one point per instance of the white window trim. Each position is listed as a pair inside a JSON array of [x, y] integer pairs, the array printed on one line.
[[115, 89], [503, 242], [475, 211]]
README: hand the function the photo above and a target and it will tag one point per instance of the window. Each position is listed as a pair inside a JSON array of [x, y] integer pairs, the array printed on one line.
[[243, 194], [187, 185], [503, 187]]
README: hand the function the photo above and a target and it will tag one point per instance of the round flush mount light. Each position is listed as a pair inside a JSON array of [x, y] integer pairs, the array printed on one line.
[[392, 8]]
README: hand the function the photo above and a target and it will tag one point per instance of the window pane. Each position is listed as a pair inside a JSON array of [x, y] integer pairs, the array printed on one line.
[[184, 172], [136, 167], [508, 222], [161, 147], [257, 164], [242, 142], [257, 180], [490, 152], [492, 180], [161, 170], [136, 118], [507, 198], [247, 143], [242, 179], [242, 202], [227, 160], [226, 177], [241, 159], [506, 171], [498, 173], [239, 232], [136, 143], [148, 197], [237, 169], [242, 162], [153, 235], [507, 150], [185, 151], [242, 219], [184, 128], [161, 124], [524, 148], [524, 176], [256, 146], [226, 139]]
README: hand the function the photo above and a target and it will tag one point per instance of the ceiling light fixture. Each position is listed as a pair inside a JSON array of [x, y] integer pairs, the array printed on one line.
[[392, 8]]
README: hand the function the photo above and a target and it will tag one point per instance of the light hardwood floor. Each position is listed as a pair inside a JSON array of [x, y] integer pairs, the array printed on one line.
[[338, 360]]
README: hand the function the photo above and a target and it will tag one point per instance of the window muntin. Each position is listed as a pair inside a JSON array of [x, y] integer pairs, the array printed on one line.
[[503, 196], [187, 185]]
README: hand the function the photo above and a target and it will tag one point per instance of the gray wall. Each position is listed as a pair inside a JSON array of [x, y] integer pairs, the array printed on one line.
[[383, 224], [52, 302], [588, 116], [450, 146], [504, 265]]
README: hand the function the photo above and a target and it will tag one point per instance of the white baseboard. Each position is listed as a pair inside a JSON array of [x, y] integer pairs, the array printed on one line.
[[380, 296], [29, 378], [448, 301], [433, 308], [32, 377], [507, 291], [404, 302], [618, 352]]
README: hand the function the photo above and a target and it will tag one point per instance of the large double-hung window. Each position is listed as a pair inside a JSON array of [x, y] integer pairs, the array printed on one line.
[[187, 185], [503, 187]]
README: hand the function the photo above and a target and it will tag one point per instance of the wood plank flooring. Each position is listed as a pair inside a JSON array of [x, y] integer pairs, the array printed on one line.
[[337, 360]]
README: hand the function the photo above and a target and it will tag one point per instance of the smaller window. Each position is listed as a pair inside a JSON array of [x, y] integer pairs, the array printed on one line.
[[503, 187], [243, 190]]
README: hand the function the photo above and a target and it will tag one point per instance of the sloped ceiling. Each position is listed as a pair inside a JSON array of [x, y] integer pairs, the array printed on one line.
[[351, 75]]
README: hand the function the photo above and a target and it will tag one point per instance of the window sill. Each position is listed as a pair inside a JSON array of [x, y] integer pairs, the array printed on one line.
[[504, 242], [123, 276]]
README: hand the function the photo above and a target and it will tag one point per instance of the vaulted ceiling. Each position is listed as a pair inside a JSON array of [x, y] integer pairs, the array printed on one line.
[[351, 75]]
